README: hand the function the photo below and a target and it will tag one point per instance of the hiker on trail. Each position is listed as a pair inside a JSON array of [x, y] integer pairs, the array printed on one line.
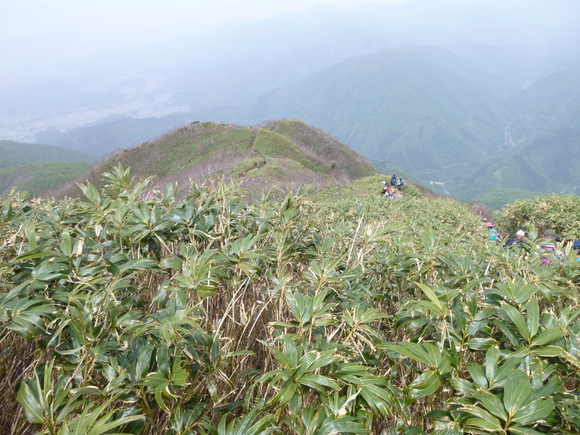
[[393, 180], [400, 184], [264, 162], [518, 241], [548, 246], [388, 192], [494, 236]]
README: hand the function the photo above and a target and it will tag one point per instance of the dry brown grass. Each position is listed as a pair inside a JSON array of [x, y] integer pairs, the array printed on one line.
[[19, 360]]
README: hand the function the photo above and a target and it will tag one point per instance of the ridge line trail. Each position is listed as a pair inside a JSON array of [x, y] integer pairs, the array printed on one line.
[[254, 137]]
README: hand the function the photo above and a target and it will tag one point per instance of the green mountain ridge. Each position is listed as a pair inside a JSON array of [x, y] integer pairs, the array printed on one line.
[[294, 155], [36, 178]]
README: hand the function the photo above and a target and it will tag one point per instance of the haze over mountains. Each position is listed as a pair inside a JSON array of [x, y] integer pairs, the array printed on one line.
[[477, 95]]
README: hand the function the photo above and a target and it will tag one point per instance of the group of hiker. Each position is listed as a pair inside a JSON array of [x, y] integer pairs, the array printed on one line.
[[548, 245], [389, 187], [257, 166]]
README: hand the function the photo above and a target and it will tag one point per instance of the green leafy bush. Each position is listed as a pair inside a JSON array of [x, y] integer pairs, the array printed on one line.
[[134, 312], [558, 212]]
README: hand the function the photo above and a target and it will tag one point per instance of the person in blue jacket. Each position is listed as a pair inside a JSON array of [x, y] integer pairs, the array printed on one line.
[[576, 247], [518, 241]]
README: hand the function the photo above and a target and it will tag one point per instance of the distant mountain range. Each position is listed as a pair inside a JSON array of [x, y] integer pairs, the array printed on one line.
[[442, 118]]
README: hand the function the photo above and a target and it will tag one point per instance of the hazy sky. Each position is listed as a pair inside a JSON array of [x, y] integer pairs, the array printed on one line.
[[43, 32], [141, 20]]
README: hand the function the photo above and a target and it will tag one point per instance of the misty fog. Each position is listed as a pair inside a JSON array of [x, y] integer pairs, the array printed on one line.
[[58, 85]]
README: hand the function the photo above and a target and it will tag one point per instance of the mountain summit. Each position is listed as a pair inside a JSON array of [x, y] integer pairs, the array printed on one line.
[[283, 153]]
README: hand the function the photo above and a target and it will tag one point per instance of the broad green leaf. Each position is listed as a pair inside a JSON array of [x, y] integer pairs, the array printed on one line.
[[516, 394], [491, 403], [548, 336], [286, 393], [432, 296], [524, 293], [379, 399], [31, 401], [476, 372], [491, 362], [91, 193], [344, 424], [508, 331], [485, 419], [521, 430], [144, 361], [66, 244], [483, 423], [138, 264], [38, 252], [50, 271], [159, 389], [411, 350], [426, 384], [533, 312], [534, 411], [317, 381], [518, 319], [507, 369], [463, 386]]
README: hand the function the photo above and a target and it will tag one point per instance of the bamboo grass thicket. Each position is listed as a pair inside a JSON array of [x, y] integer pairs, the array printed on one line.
[[133, 311]]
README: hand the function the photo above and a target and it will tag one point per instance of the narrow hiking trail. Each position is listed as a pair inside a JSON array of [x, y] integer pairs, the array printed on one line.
[[254, 138]]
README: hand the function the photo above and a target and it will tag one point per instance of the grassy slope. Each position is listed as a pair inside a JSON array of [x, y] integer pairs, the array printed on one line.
[[38, 177], [17, 153], [496, 199], [36, 168], [295, 154]]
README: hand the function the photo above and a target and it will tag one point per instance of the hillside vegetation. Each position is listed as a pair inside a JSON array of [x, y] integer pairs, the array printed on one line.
[[38, 177], [18, 153], [295, 155], [341, 313]]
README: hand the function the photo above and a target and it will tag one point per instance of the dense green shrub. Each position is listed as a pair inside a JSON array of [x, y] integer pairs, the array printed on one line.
[[558, 212], [344, 313]]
